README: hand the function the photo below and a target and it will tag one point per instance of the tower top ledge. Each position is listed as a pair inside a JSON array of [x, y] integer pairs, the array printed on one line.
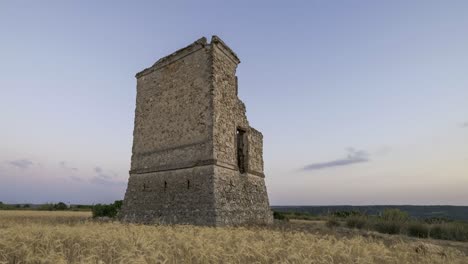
[[198, 44]]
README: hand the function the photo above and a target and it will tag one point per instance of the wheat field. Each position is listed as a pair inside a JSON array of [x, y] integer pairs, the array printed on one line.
[[72, 237]]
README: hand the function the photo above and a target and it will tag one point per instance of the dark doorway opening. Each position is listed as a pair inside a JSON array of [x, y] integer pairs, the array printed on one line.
[[241, 150]]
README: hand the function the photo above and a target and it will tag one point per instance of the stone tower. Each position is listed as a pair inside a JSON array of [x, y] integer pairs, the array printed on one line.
[[195, 158]]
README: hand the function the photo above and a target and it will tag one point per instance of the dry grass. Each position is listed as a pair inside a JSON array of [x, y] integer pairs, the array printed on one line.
[[69, 237]]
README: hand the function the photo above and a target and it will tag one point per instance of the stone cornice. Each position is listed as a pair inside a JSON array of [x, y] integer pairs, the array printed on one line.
[[192, 165], [197, 45], [215, 40]]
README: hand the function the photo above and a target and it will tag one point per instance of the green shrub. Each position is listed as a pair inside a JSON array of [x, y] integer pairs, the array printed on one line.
[[345, 214], [107, 210], [118, 204], [356, 222], [279, 216], [5, 206], [436, 231], [418, 229], [332, 223], [458, 231], [300, 216], [450, 231], [293, 215], [437, 220], [81, 207], [60, 206], [46, 207], [388, 227], [53, 207], [394, 215]]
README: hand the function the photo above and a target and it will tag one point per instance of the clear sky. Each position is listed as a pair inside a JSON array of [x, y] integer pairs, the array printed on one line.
[[360, 102]]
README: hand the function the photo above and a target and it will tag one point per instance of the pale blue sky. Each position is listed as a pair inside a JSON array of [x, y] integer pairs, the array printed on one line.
[[360, 102]]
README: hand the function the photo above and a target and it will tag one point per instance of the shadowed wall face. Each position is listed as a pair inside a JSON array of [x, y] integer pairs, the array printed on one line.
[[189, 165]]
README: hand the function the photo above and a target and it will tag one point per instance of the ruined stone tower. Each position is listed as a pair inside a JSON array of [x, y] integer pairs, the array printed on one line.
[[195, 158]]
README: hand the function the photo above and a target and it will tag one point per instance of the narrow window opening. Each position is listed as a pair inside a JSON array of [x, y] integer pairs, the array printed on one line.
[[188, 184], [165, 185], [144, 186], [241, 151]]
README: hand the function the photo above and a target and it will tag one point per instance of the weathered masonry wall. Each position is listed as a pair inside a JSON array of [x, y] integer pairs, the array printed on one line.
[[229, 114], [255, 152], [239, 197], [176, 196], [173, 112], [187, 144]]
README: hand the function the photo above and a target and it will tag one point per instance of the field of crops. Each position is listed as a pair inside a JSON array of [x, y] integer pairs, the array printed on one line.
[[72, 237]]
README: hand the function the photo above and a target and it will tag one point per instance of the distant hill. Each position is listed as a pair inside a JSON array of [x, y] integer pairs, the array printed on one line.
[[417, 211]]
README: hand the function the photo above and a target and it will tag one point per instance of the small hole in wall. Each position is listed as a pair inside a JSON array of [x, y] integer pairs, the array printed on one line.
[[144, 186], [165, 186], [188, 184]]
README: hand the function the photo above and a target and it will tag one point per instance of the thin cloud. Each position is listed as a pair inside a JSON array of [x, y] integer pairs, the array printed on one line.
[[464, 124], [104, 178], [76, 178], [22, 163], [353, 157], [382, 151], [98, 170], [63, 164], [99, 180]]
